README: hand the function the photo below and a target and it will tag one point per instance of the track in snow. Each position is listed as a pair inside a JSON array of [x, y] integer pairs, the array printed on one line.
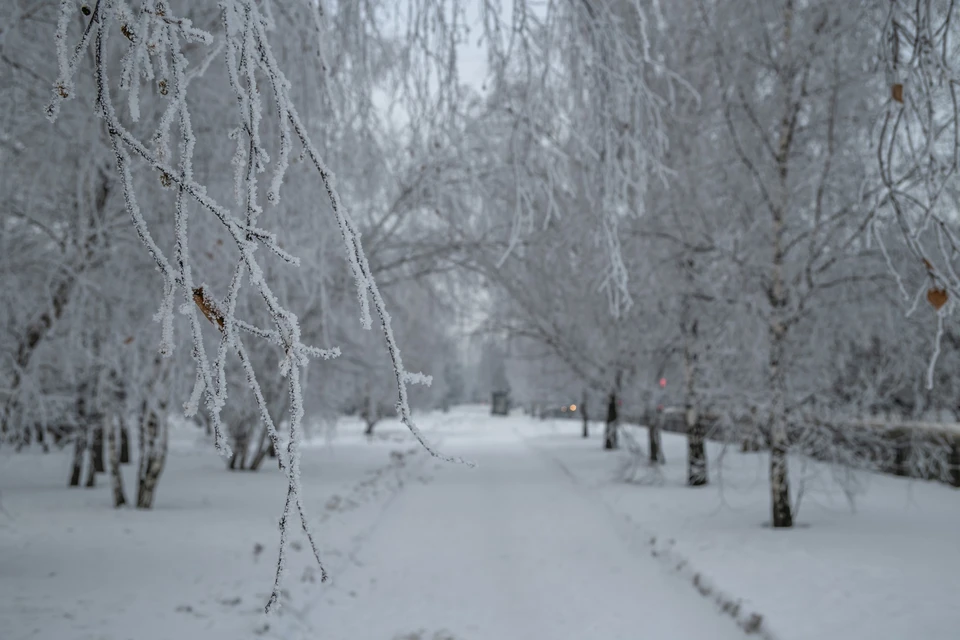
[[510, 550]]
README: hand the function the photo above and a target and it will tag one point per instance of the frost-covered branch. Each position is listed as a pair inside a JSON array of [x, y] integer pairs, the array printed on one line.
[[156, 50]]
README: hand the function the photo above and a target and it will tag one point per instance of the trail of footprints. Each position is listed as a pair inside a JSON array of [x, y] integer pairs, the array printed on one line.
[[384, 480]]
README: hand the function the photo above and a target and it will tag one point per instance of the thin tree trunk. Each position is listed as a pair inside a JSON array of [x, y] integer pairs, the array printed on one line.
[[153, 455], [610, 439], [370, 412], [37, 432], [96, 449], [153, 437], [91, 480], [124, 441], [241, 446], [696, 452], [116, 478], [24, 439], [779, 478], [654, 441], [80, 436], [232, 464], [586, 418], [777, 328], [264, 446], [79, 446]]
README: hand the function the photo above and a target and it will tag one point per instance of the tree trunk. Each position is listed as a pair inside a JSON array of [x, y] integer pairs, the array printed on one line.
[[124, 442], [91, 480], [96, 449], [232, 463], [779, 477], [264, 446], [610, 440], [38, 432], [777, 295], [583, 414], [240, 446], [696, 452], [80, 435], [153, 455], [24, 439], [654, 441], [116, 478], [153, 436], [370, 412], [79, 446]]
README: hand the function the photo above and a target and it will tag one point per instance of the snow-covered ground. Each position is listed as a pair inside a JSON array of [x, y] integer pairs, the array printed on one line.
[[201, 563], [540, 541], [887, 569]]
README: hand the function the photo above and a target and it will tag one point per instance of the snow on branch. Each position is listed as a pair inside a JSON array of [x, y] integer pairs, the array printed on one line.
[[918, 150], [154, 39]]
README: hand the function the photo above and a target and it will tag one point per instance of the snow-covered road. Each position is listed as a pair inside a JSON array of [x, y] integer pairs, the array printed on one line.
[[514, 549]]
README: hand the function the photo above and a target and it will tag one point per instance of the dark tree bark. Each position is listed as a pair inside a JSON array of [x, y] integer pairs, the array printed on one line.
[[153, 436], [153, 455], [42, 438], [610, 439], [120, 396], [37, 432], [80, 435], [779, 478], [116, 478], [584, 416], [696, 451], [264, 446], [696, 454], [370, 413], [124, 442], [240, 445], [91, 480], [654, 441], [96, 449], [79, 446]]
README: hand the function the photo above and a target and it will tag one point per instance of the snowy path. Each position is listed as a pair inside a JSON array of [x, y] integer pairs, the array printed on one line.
[[511, 550]]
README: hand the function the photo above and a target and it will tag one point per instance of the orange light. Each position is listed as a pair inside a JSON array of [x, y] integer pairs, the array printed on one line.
[[573, 407]]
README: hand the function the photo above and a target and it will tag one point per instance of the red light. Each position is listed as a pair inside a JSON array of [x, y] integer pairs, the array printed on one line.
[[663, 382]]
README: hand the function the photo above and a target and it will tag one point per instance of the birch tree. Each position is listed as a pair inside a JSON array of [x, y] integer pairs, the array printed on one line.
[[792, 114]]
